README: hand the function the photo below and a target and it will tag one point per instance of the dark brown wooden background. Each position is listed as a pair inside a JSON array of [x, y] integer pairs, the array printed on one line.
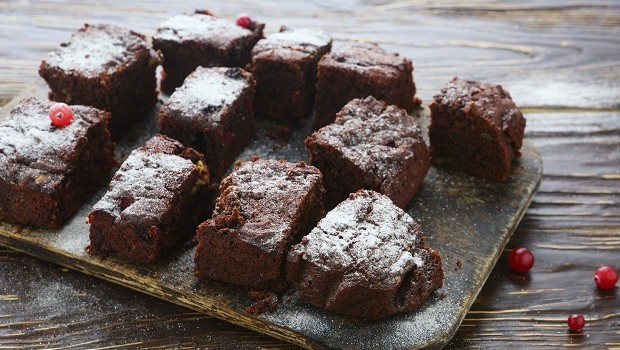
[[560, 59]]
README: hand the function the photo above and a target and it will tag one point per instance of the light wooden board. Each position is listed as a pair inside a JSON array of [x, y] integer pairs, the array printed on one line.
[[469, 220]]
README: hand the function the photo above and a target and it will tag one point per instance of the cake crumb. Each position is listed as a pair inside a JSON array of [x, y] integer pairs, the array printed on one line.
[[204, 12], [266, 302], [280, 133]]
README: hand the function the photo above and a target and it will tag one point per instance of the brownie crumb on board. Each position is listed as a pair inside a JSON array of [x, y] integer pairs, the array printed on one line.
[[266, 302], [279, 133]]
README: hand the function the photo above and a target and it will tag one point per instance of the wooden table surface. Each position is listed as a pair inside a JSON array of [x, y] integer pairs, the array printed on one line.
[[560, 59]]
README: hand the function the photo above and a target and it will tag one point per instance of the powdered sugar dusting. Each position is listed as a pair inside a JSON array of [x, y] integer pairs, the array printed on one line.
[[96, 49], [366, 234], [367, 57], [206, 91], [490, 101], [302, 40], [378, 139], [219, 32], [147, 182], [274, 189], [35, 148]]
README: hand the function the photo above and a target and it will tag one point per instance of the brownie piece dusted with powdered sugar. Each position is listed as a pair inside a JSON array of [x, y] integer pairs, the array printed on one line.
[[158, 197], [284, 66], [357, 70], [212, 112], [367, 259], [476, 128], [264, 207], [47, 172], [372, 146], [201, 39], [107, 67]]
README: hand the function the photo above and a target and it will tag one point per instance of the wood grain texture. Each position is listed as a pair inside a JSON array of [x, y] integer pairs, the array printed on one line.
[[559, 59]]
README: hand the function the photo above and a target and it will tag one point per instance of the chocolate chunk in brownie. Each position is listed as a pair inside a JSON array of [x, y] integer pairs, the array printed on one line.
[[108, 67], [372, 146], [264, 207], [48, 172], [201, 39], [158, 197], [475, 128], [366, 258], [357, 70], [212, 112], [284, 66]]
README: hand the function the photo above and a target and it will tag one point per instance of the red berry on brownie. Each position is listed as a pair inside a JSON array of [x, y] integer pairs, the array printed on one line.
[[606, 277], [244, 20], [520, 260], [576, 322], [61, 114]]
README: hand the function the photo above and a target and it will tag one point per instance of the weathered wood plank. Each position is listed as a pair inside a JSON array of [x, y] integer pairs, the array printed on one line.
[[546, 54], [565, 46]]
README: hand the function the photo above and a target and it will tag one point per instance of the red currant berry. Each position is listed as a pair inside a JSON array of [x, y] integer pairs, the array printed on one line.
[[576, 322], [61, 114], [520, 260], [606, 277], [244, 20]]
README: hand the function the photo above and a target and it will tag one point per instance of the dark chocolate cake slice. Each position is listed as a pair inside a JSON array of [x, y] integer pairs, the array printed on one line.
[[212, 112], [284, 66], [475, 128], [202, 40], [264, 207], [108, 67], [158, 197], [372, 146], [47, 172], [366, 258], [357, 70]]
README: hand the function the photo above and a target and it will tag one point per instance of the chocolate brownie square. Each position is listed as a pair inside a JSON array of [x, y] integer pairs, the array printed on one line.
[[284, 66], [367, 258], [357, 70], [212, 112], [372, 146], [157, 197], [201, 39], [48, 172], [108, 67], [264, 207], [475, 128]]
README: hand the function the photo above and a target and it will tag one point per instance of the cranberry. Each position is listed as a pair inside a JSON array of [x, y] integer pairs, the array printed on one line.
[[244, 20], [520, 260], [576, 322], [605, 277], [61, 114]]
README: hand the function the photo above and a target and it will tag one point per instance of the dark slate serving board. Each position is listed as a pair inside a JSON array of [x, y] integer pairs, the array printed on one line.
[[468, 220]]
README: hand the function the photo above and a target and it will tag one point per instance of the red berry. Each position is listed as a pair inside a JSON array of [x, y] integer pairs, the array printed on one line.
[[244, 20], [520, 260], [61, 114], [576, 322], [605, 277]]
